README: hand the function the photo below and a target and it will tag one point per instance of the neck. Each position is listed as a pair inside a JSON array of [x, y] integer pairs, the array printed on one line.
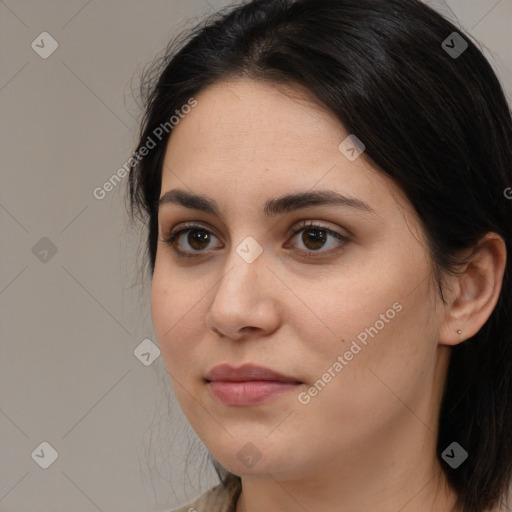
[[396, 470], [428, 492]]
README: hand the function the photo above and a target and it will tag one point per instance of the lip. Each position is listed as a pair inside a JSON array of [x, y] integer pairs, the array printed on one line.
[[248, 384], [246, 372]]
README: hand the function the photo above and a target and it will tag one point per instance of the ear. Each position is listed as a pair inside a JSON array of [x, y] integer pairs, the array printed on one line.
[[475, 292]]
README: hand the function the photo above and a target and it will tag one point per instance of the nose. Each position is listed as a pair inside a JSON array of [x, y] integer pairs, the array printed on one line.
[[245, 301]]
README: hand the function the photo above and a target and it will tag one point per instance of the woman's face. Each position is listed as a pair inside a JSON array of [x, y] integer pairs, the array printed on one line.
[[346, 309]]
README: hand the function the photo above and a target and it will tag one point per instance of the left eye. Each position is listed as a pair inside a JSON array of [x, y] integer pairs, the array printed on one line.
[[314, 237], [198, 238]]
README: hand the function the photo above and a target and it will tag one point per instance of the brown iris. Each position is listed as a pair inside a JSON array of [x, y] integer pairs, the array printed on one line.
[[314, 236], [198, 236]]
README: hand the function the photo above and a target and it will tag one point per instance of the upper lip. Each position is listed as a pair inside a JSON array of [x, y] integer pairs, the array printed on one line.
[[246, 372]]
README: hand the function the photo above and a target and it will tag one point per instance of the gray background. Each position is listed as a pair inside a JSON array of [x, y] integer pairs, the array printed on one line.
[[70, 321]]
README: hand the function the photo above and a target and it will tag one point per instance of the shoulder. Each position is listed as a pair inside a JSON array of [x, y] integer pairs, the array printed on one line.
[[216, 499]]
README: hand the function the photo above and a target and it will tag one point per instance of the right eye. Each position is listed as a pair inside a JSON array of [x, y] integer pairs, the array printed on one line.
[[197, 239]]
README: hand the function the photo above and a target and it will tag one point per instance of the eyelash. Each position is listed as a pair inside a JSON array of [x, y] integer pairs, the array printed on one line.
[[170, 239]]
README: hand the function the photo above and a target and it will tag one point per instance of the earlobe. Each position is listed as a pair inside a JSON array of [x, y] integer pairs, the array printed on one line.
[[477, 291]]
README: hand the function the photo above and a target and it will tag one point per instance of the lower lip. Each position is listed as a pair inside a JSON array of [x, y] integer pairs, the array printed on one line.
[[250, 392]]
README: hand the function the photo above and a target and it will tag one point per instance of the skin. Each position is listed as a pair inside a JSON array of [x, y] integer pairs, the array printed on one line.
[[366, 441]]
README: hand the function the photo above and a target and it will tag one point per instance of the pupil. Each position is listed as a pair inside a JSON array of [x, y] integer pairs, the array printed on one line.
[[317, 239], [200, 236]]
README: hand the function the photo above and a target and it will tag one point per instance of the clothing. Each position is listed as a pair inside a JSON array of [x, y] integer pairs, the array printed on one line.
[[217, 499]]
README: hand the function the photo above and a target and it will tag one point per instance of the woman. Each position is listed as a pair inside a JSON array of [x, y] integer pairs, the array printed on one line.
[[329, 239]]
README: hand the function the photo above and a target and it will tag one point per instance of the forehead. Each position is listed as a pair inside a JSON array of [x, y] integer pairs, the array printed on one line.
[[258, 140], [254, 120]]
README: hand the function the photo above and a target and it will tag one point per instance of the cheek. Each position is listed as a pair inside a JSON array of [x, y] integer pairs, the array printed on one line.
[[161, 306], [379, 320], [369, 387], [178, 316], [178, 321]]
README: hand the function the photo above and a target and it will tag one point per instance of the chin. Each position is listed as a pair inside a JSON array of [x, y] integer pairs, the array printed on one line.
[[250, 462]]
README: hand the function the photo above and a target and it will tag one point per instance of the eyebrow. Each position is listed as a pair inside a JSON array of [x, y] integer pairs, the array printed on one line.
[[273, 207]]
